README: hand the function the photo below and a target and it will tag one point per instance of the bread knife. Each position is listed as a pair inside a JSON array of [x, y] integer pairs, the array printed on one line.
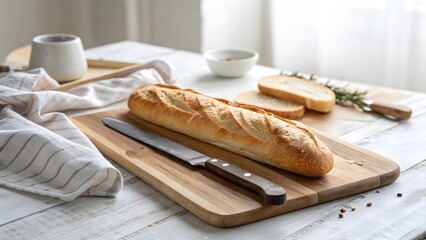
[[387, 109], [272, 193]]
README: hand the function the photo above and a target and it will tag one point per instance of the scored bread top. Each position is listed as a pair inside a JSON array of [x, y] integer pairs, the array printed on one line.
[[245, 130], [309, 93], [280, 107]]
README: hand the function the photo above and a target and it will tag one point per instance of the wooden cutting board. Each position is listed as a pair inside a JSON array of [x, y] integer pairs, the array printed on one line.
[[220, 202]]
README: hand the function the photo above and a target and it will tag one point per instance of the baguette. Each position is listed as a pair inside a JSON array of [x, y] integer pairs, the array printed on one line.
[[271, 104], [309, 93], [248, 131]]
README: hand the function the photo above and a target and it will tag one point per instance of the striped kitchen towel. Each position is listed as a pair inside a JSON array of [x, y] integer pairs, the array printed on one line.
[[42, 152]]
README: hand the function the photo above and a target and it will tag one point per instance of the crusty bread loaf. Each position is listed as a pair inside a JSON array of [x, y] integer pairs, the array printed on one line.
[[248, 131], [309, 93], [280, 107]]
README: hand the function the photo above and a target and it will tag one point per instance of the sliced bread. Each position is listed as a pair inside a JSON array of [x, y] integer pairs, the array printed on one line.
[[309, 93], [271, 104]]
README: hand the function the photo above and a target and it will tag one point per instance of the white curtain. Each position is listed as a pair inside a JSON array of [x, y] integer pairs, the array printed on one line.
[[380, 42], [167, 23]]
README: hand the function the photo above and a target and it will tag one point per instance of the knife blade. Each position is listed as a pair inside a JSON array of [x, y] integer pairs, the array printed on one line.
[[271, 193]]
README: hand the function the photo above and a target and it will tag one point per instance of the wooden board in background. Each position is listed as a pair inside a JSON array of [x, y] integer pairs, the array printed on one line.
[[220, 202], [97, 69]]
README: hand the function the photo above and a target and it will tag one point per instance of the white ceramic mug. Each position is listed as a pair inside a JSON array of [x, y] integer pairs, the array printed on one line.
[[61, 55]]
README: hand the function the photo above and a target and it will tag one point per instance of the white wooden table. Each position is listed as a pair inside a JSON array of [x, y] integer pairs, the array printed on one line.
[[141, 212]]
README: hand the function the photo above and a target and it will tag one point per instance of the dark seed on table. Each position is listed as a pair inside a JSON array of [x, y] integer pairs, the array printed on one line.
[[342, 210], [4, 68], [377, 191], [353, 209], [340, 215], [399, 194], [369, 204]]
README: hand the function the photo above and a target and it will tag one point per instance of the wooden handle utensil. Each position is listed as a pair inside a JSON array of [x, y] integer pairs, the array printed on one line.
[[391, 110]]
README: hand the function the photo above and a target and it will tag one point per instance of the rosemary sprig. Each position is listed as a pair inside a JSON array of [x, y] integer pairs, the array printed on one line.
[[343, 95], [346, 97]]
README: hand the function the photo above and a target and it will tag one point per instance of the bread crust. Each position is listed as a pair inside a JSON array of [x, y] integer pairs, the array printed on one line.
[[294, 112], [310, 102], [245, 130]]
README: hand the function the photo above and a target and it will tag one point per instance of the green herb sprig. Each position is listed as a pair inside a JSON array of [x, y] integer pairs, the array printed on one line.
[[343, 95], [346, 97]]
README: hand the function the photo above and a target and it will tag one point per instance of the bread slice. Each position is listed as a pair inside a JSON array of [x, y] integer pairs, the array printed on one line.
[[280, 107], [309, 93]]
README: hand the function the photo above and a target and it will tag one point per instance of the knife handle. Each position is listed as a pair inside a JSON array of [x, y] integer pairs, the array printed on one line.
[[397, 111], [272, 193]]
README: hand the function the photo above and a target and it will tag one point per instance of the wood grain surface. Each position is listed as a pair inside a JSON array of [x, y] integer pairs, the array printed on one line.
[[220, 202]]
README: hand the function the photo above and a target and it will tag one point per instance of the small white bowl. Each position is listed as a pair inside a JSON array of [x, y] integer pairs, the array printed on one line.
[[232, 62]]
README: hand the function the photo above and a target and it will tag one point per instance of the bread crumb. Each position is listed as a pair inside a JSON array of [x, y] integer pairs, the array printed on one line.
[[359, 163], [350, 161], [369, 204], [353, 209]]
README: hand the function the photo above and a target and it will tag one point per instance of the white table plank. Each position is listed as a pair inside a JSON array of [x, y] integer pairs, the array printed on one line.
[[126, 51], [137, 206], [404, 143], [417, 102], [16, 204]]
